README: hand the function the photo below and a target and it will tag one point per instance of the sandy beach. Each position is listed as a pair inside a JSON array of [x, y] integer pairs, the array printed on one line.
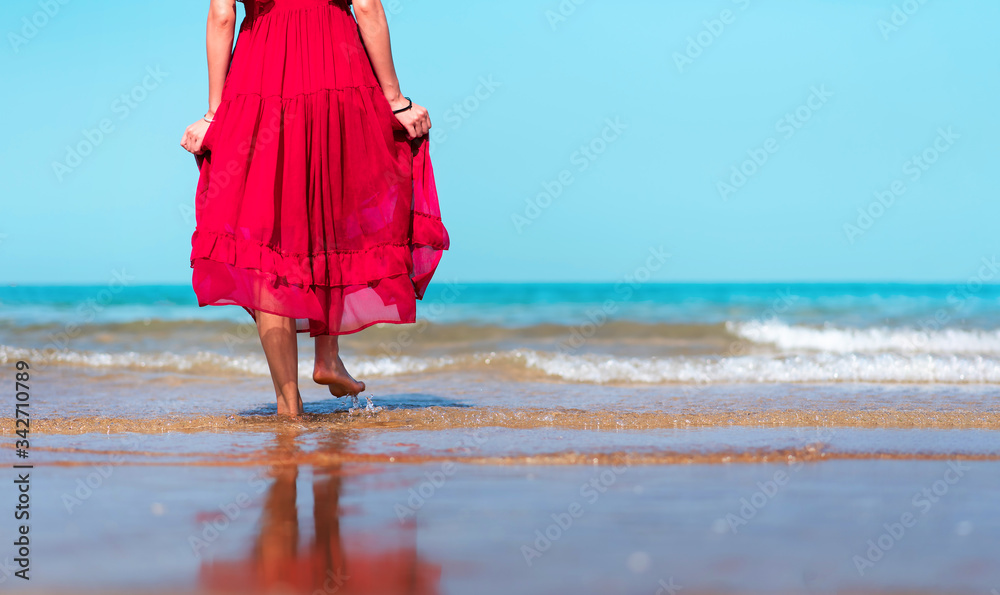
[[453, 511], [475, 495]]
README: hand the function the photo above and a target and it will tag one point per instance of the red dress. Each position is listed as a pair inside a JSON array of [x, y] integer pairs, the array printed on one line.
[[311, 202]]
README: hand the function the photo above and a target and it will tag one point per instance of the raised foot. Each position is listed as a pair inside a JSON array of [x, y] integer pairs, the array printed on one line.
[[339, 381]]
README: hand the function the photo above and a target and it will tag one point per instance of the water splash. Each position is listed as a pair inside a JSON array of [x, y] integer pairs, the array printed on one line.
[[369, 409]]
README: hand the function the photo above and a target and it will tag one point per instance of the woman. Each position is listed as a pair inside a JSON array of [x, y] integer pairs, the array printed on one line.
[[316, 206]]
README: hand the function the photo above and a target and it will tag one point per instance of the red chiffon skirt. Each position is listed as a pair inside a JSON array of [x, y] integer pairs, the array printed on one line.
[[311, 202]]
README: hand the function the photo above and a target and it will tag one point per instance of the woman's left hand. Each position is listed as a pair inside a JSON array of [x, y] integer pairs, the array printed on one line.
[[194, 136], [416, 120]]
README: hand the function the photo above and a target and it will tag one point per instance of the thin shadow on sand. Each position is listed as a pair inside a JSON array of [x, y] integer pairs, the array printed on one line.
[[343, 405]]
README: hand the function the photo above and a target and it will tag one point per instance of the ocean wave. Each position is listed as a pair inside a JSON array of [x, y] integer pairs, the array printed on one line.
[[819, 368], [204, 362], [724, 339], [428, 331], [869, 340], [528, 365]]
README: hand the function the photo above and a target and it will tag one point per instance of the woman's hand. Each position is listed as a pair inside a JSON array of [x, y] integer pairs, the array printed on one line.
[[374, 29], [194, 136], [416, 120]]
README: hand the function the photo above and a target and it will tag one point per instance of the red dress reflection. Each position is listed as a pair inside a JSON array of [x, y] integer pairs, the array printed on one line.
[[331, 563]]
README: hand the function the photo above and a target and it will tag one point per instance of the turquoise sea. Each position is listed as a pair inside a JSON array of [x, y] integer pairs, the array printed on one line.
[[628, 332]]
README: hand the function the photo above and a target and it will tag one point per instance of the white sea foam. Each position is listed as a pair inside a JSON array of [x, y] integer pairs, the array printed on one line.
[[821, 367], [206, 362], [869, 340], [161, 361], [582, 368]]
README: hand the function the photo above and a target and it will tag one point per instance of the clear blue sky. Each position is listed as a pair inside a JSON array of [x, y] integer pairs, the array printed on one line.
[[883, 95]]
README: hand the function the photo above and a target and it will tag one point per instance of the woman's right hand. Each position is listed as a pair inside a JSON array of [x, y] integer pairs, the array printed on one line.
[[416, 120], [194, 136]]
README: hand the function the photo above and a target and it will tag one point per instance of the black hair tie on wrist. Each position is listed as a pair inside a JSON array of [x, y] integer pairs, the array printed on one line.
[[403, 109]]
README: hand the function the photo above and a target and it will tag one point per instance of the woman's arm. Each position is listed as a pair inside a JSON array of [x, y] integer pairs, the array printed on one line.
[[219, 44], [219, 37], [375, 34]]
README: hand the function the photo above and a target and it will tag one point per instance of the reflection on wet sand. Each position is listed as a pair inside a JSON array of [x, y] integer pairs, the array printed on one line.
[[332, 562]]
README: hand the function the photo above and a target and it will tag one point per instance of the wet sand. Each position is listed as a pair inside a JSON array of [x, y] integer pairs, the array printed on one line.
[[458, 482], [457, 492], [452, 527], [441, 418]]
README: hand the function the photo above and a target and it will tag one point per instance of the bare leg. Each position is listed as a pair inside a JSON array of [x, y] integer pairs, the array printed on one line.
[[277, 336], [330, 368]]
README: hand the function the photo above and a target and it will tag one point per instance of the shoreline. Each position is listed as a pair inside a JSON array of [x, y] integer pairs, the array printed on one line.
[[445, 418]]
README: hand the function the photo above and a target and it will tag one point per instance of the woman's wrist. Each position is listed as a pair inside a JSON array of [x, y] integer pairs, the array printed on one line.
[[396, 100]]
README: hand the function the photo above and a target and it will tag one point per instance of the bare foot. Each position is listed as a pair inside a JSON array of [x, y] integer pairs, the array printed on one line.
[[335, 376]]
